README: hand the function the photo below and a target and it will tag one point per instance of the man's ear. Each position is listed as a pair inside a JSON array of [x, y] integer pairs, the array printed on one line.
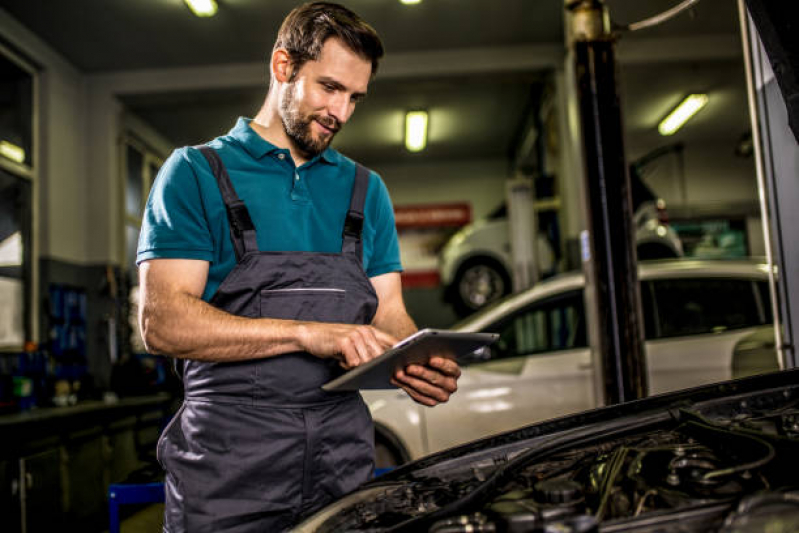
[[281, 65]]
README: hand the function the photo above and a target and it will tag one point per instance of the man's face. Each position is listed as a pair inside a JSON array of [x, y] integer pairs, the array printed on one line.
[[322, 96]]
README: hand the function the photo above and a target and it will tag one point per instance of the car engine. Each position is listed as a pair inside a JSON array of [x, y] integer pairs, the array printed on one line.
[[730, 466]]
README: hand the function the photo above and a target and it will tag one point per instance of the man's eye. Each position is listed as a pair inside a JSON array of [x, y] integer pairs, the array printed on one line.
[[328, 87]]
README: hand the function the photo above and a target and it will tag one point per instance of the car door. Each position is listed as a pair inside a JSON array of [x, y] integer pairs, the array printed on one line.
[[538, 369], [695, 325]]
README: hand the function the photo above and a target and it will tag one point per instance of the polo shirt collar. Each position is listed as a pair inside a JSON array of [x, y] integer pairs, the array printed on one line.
[[257, 146]]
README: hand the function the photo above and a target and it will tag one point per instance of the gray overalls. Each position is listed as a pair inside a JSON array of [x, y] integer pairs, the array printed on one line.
[[258, 444]]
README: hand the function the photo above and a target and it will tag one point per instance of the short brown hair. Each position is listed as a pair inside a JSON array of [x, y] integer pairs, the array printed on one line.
[[305, 30]]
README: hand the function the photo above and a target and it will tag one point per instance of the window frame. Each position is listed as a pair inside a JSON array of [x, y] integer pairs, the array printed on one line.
[[28, 173], [150, 158], [151, 163]]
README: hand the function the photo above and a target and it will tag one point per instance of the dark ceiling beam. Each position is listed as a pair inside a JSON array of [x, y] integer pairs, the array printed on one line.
[[434, 63], [396, 66], [456, 62]]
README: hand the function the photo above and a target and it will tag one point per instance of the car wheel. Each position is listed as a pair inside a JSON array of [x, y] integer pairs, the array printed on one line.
[[386, 456], [479, 283]]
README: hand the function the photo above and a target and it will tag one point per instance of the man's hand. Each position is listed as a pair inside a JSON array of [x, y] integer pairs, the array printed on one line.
[[429, 384], [352, 345]]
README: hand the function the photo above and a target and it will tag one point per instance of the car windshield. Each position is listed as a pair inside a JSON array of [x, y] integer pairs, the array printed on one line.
[[466, 322]]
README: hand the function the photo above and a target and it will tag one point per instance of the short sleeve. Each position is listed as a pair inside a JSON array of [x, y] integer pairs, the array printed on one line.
[[385, 252], [174, 223]]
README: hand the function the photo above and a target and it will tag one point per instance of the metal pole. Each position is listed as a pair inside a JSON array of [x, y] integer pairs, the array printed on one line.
[[613, 299], [765, 210]]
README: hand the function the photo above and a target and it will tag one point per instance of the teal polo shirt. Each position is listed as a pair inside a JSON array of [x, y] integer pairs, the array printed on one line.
[[294, 209]]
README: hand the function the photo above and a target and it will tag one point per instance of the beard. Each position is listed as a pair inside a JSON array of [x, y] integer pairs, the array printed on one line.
[[298, 126]]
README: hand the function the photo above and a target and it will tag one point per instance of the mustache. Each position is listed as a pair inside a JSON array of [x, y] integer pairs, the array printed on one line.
[[328, 122]]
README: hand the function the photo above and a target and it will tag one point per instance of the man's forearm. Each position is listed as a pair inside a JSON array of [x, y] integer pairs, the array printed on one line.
[[185, 326]]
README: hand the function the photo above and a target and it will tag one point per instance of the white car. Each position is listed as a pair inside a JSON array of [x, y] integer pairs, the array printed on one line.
[[475, 263], [705, 321]]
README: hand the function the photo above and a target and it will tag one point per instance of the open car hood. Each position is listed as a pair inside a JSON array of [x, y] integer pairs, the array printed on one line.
[[723, 457]]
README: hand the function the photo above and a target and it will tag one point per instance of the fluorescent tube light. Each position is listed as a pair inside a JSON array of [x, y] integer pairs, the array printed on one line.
[[202, 8], [409, 2], [12, 152], [416, 130], [680, 115]]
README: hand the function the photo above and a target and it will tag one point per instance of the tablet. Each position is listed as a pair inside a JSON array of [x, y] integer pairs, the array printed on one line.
[[418, 348]]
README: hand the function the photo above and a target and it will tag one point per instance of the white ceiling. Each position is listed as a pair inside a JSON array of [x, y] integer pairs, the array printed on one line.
[[477, 66]]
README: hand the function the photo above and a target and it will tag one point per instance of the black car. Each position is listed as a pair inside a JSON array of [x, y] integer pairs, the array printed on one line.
[[723, 457]]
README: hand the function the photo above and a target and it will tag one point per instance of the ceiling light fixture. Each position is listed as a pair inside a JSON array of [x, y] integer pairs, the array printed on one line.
[[12, 152], [415, 130], [410, 2], [202, 8], [680, 114]]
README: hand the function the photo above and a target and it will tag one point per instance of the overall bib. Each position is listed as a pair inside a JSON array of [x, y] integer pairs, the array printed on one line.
[[258, 444]]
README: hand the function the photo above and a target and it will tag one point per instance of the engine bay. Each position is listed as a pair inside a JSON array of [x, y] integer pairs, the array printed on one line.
[[727, 466]]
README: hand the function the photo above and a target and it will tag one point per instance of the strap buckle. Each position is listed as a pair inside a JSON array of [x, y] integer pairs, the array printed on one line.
[[239, 217], [353, 225]]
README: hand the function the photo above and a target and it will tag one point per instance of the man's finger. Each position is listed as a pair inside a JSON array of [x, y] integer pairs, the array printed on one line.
[[446, 366], [361, 347], [416, 396], [384, 339], [433, 377], [370, 339], [439, 393], [349, 354]]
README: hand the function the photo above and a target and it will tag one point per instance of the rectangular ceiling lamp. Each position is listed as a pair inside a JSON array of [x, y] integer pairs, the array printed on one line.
[[202, 8], [409, 2], [416, 130], [680, 115], [12, 152]]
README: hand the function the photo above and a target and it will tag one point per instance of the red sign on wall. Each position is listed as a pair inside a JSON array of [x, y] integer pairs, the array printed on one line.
[[423, 230], [433, 216]]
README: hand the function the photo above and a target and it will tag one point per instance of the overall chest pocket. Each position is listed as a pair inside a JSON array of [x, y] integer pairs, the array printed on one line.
[[316, 304]]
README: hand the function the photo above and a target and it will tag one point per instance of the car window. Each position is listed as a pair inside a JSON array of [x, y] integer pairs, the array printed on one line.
[[551, 325], [705, 305]]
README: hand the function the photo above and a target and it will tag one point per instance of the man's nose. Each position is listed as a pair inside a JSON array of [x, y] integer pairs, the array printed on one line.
[[340, 107]]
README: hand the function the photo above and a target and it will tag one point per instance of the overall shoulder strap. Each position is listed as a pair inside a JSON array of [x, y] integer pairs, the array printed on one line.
[[242, 230], [351, 242]]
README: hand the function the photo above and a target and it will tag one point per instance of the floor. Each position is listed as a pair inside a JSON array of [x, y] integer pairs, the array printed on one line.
[[149, 520]]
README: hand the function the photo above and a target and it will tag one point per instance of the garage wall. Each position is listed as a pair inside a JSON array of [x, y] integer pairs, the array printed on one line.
[[61, 168], [713, 175], [479, 182]]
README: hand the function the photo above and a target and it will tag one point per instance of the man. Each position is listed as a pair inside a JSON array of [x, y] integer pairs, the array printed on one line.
[[248, 280]]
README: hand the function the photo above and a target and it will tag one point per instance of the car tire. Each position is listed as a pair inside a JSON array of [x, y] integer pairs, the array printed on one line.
[[387, 453], [478, 282]]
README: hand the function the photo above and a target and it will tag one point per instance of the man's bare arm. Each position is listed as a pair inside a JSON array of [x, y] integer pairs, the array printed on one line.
[[175, 321], [391, 315], [427, 384]]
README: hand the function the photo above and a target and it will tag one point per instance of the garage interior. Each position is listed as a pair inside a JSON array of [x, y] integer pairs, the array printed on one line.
[[95, 95]]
